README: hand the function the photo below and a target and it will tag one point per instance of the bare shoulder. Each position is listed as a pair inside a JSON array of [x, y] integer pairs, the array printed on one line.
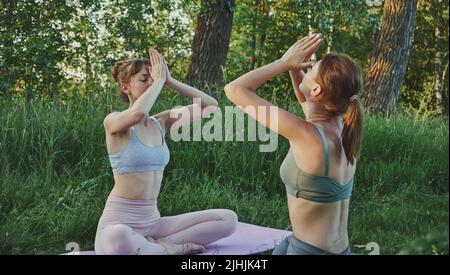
[[110, 116], [305, 133], [109, 122], [108, 119]]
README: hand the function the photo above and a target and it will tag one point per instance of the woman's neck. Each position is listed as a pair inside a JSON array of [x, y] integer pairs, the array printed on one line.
[[316, 114]]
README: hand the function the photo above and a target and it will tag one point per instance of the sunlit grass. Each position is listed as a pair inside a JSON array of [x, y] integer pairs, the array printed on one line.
[[55, 178]]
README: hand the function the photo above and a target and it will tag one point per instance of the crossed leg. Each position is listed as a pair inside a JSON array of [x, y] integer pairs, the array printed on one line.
[[119, 239], [200, 227], [180, 234]]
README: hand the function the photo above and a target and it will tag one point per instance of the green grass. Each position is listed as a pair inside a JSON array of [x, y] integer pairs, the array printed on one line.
[[55, 177]]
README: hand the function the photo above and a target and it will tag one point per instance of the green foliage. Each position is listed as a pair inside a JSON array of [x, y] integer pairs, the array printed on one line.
[[49, 49], [419, 89], [30, 44]]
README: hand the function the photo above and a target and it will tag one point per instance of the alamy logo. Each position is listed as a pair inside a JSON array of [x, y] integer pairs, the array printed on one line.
[[232, 130]]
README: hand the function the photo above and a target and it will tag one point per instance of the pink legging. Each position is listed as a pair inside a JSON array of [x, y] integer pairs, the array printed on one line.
[[125, 224]]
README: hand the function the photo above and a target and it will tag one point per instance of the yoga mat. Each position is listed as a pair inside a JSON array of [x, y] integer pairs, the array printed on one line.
[[247, 239]]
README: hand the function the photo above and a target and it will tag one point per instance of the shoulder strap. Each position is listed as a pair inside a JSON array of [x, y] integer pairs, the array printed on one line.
[[325, 144], [159, 127]]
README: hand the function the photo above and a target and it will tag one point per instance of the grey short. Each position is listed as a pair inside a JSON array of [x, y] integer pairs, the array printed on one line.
[[293, 246]]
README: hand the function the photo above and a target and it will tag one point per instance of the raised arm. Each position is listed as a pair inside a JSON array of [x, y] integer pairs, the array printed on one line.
[[241, 91], [121, 121], [296, 79], [190, 92]]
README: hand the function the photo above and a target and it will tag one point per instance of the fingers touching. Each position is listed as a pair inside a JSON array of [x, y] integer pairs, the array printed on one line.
[[311, 43], [155, 57]]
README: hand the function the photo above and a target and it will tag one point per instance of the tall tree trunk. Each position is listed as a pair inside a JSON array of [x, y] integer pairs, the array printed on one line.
[[210, 44], [87, 60], [440, 57], [7, 72], [263, 13], [255, 7], [390, 56], [438, 70], [309, 16], [330, 34], [262, 43], [445, 83]]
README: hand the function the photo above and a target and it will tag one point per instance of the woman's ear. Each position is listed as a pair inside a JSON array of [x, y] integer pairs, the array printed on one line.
[[316, 90], [124, 87]]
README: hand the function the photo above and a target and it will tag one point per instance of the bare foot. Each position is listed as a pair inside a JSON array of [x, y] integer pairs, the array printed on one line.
[[180, 249], [150, 239]]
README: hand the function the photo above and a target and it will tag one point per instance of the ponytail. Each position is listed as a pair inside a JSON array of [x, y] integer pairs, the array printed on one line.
[[341, 81], [352, 132]]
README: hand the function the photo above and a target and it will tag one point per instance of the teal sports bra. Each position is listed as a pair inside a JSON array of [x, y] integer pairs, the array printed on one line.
[[311, 187]]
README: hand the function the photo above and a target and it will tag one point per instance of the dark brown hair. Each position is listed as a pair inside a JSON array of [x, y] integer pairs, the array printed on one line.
[[340, 78], [124, 70]]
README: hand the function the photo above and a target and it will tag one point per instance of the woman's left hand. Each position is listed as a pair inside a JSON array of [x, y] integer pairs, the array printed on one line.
[[295, 57]]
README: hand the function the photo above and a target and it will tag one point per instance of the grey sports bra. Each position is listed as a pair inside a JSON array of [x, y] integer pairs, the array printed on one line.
[[137, 157]]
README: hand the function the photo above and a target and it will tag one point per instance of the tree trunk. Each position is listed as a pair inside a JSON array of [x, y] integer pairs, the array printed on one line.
[[210, 44], [8, 75], [330, 34], [445, 83], [440, 57], [390, 56], [310, 29], [87, 60], [438, 71], [255, 6], [263, 12], [262, 43]]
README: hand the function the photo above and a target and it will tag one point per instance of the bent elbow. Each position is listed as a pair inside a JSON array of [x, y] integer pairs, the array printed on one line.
[[229, 90]]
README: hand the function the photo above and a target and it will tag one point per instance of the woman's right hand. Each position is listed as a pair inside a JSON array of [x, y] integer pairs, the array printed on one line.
[[158, 71], [295, 57]]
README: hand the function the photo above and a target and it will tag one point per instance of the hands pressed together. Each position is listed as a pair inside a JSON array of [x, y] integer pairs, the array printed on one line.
[[298, 56], [159, 69]]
